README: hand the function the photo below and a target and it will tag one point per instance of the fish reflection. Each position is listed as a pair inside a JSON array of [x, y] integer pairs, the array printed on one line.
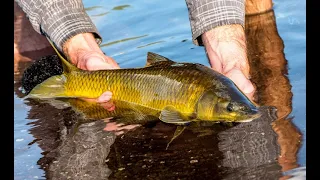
[[120, 111], [72, 148]]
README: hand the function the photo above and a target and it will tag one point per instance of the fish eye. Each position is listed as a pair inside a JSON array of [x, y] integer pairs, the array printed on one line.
[[230, 107]]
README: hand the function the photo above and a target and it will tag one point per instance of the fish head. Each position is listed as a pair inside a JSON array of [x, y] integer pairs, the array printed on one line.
[[214, 106]]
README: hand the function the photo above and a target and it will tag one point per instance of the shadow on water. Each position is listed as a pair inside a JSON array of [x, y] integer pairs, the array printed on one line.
[[75, 147]]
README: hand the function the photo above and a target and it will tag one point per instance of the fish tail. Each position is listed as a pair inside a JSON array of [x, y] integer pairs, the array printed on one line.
[[50, 88], [54, 86], [67, 66]]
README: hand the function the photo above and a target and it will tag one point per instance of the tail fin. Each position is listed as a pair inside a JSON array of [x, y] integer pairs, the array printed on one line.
[[54, 86], [50, 88]]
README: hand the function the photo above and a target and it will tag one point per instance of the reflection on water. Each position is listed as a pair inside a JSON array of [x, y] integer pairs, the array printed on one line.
[[150, 44], [269, 72], [122, 40], [121, 7], [116, 8], [92, 8], [101, 14], [75, 147]]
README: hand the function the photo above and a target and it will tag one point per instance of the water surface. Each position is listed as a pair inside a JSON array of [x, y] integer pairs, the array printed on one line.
[[51, 142]]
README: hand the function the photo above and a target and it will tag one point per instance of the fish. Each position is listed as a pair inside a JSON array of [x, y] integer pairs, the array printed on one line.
[[178, 92]]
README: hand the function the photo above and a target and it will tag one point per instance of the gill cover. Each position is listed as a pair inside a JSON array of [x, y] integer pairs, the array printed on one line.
[[205, 106]]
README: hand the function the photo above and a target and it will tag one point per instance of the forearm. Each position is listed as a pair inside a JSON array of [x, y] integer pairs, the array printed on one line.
[[59, 19], [205, 15], [219, 26]]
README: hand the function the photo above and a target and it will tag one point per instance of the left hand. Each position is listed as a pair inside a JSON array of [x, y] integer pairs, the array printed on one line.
[[84, 52]]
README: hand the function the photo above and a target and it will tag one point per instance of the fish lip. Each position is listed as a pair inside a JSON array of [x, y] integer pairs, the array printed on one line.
[[246, 120], [252, 116]]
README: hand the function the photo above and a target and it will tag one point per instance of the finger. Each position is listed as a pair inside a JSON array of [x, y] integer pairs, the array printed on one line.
[[96, 62], [111, 61], [250, 95], [107, 119], [128, 127], [112, 126], [241, 81], [118, 133], [89, 99], [104, 97]]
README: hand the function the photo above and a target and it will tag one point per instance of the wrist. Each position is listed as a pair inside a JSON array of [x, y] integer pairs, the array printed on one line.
[[226, 48], [225, 33], [79, 46]]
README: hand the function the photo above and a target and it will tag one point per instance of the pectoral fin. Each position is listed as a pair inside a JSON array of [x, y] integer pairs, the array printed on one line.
[[170, 115], [177, 133]]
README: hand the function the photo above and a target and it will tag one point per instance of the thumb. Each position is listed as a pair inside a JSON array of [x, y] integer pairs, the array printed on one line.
[[244, 84], [97, 62]]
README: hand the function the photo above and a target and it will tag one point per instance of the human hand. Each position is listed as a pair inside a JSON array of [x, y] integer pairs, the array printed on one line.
[[84, 52], [112, 126], [226, 50], [118, 128]]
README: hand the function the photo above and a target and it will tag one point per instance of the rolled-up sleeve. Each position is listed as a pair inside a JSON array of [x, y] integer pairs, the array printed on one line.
[[59, 19], [205, 15]]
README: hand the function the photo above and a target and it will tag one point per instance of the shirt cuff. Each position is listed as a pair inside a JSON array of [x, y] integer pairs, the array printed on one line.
[[208, 14], [66, 23]]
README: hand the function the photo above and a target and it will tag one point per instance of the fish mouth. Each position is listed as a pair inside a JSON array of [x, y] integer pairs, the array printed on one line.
[[254, 114]]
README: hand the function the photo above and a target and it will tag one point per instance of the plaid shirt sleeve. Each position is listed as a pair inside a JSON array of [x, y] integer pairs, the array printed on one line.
[[205, 15], [58, 19]]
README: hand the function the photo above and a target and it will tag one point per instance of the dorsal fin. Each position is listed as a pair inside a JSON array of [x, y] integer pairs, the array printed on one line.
[[153, 58]]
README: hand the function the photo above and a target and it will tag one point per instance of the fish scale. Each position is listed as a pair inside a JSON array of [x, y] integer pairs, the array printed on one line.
[[152, 87]]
